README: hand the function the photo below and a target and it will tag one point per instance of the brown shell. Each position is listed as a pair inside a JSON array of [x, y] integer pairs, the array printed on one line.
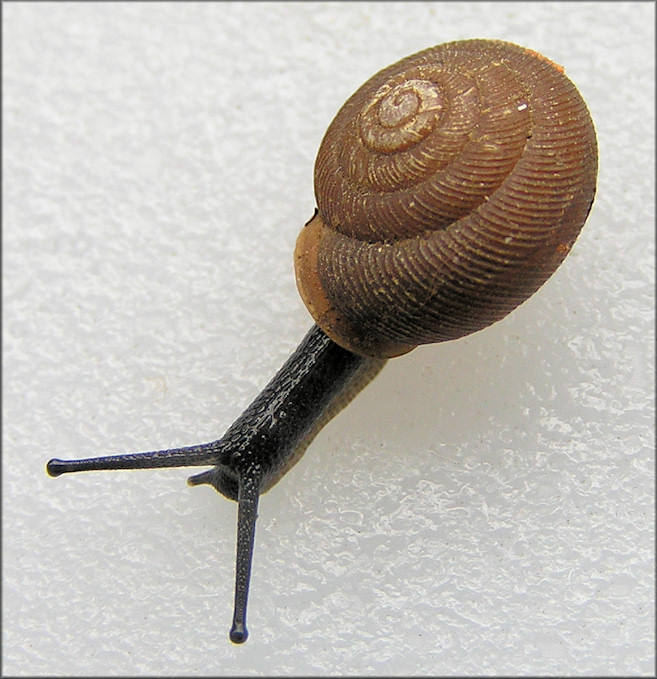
[[449, 187]]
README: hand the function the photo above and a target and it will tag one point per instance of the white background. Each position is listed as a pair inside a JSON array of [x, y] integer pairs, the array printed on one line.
[[484, 507]]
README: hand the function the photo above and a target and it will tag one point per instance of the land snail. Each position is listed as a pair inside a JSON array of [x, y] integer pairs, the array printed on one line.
[[449, 187]]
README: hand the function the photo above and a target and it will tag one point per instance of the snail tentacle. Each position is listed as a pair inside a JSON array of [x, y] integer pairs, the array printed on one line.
[[190, 456], [248, 496]]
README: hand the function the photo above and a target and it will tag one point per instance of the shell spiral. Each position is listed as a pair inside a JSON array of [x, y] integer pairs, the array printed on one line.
[[449, 187]]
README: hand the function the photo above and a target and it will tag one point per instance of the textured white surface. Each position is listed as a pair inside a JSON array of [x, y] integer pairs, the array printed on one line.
[[485, 506]]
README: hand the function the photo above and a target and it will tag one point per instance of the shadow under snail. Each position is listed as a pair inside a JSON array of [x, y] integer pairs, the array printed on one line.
[[449, 187]]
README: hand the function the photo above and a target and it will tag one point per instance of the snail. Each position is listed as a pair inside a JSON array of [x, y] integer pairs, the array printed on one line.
[[449, 187]]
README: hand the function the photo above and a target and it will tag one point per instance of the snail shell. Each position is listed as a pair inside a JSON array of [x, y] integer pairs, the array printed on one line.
[[449, 187]]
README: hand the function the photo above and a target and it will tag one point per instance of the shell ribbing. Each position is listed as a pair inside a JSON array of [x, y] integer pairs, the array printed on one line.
[[450, 186]]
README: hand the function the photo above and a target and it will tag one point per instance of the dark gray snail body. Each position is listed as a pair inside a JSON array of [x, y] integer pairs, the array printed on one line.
[[449, 187]]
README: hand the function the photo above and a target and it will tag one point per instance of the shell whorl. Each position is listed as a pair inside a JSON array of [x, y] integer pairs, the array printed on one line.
[[449, 187]]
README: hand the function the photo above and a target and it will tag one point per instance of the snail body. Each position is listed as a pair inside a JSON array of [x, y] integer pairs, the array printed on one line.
[[449, 187]]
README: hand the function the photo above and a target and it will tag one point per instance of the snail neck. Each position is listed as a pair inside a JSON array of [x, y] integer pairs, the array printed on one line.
[[316, 381]]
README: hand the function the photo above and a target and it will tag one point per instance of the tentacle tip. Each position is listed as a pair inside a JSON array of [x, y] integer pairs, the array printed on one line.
[[55, 467], [238, 633]]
